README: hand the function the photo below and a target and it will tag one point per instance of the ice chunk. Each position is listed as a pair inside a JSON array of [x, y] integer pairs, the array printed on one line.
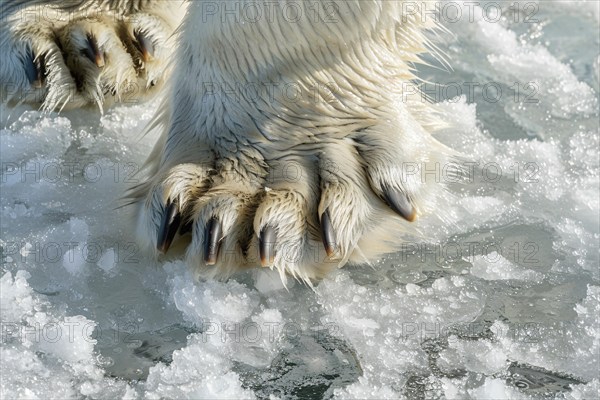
[[108, 261], [69, 339], [585, 391], [269, 281], [365, 389], [212, 301], [44, 353], [495, 267], [25, 376], [482, 356], [16, 300], [494, 388], [197, 371]]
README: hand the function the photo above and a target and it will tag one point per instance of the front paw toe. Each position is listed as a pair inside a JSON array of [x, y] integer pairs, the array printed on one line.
[[165, 204], [220, 236]]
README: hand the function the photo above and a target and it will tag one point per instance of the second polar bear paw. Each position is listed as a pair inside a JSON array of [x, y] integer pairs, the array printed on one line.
[[68, 59]]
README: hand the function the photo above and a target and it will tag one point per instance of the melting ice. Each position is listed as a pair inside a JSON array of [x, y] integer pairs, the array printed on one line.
[[501, 300]]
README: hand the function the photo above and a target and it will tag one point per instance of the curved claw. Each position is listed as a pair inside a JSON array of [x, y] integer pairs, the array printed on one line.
[[93, 52], [400, 203], [34, 70], [168, 227], [327, 234], [145, 45], [266, 244], [213, 237]]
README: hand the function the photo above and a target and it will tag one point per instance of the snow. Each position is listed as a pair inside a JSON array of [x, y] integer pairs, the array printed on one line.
[[494, 389], [45, 353], [506, 277]]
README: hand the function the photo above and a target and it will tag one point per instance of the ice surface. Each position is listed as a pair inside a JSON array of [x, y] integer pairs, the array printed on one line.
[[500, 299]]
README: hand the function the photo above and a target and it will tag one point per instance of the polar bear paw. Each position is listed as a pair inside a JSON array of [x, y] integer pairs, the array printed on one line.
[[301, 211], [93, 60]]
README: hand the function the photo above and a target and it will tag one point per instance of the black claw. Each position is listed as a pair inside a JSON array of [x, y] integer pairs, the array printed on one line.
[[145, 45], [267, 242], [93, 52], [34, 70], [400, 203], [327, 234], [212, 243], [168, 227]]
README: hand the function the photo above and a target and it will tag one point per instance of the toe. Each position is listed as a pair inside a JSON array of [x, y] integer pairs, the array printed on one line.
[[286, 223], [147, 39], [221, 231], [165, 204], [346, 202]]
